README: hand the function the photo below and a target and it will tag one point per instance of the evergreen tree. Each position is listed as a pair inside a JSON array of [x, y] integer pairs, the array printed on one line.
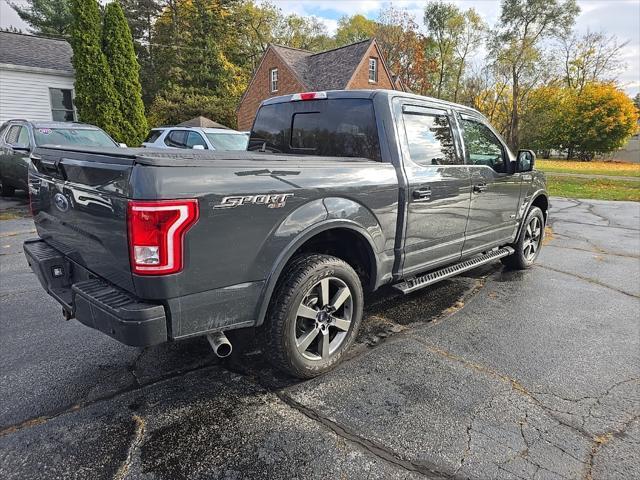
[[117, 45], [96, 99], [46, 17]]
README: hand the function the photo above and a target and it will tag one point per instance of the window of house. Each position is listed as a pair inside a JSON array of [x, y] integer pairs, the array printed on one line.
[[274, 79], [373, 70], [62, 105]]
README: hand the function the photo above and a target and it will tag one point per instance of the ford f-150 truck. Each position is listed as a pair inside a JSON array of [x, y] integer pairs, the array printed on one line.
[[341, 192]]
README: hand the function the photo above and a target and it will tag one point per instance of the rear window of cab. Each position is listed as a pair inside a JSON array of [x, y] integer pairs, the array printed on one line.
[[333, 128]]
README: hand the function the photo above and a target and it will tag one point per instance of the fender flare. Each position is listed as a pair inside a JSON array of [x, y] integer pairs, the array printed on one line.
[[537, 194], [304, 236]]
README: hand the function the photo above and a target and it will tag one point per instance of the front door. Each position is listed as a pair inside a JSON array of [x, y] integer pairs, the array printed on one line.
[[439, 189], [15, 163], [495, 193]]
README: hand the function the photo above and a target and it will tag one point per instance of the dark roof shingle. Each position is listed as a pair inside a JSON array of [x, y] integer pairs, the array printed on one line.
[[33, 51], [330, 70]]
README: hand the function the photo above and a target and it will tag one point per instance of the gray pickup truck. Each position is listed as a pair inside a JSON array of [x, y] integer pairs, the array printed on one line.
[[340, 193]]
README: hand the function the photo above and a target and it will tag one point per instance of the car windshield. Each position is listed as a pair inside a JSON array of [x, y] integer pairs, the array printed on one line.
[[228, 141], [73, 136]]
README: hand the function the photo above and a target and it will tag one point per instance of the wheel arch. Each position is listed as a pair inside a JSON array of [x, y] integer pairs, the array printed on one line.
[[314, 239]]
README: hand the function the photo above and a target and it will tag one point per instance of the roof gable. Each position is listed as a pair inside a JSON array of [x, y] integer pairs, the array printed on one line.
[[330, 70], [35, 52]]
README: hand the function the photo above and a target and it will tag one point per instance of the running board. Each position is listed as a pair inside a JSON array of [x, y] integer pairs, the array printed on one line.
[[416, 283]]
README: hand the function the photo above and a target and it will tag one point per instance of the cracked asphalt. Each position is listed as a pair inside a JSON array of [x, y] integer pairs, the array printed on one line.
[[497, 374]]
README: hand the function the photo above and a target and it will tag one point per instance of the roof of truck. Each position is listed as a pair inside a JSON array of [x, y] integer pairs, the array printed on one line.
[[370, 93]]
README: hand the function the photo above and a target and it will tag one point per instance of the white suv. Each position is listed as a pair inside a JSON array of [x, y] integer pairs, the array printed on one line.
[[198, 138]]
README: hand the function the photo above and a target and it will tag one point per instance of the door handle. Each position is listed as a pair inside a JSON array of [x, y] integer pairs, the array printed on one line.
[[422, 194], [479, 187]]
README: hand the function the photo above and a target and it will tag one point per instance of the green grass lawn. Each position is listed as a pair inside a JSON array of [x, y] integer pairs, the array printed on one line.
[[618, 169], [594, 188]]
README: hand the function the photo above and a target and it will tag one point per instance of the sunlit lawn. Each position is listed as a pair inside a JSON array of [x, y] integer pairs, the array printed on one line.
[[600, 189], [590, 168]]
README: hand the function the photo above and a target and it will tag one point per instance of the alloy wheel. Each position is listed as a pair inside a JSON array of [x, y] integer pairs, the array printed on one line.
[[532, 239], [323, 319]]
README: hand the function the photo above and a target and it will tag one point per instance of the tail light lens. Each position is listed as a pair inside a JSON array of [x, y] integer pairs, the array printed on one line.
[[156, 234]]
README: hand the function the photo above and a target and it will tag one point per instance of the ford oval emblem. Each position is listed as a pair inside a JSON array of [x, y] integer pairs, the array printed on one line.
[[61, 202]]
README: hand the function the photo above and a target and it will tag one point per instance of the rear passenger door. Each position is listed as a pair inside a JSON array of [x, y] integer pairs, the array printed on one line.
[[439, 188], [495, 187]]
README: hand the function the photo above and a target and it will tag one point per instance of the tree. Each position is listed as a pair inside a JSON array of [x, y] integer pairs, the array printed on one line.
[[445, 24], [524, 24], [636, 101], [355, 28], [46, 17], [404, 49], [593, 57], [141, 15], [602, 118], [95, 96], [118, 48], [177, 104], [470, 37], [307, 33]]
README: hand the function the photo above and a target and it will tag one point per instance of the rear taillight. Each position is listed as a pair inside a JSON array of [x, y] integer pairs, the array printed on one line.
[[308, 96], [156, 234]]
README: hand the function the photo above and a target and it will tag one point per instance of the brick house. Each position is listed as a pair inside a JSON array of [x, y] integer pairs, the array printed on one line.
[[284, 70]]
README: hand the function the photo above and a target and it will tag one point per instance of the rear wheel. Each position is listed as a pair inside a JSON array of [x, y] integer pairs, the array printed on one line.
[[314, 315], [6, 190], [529, 242]]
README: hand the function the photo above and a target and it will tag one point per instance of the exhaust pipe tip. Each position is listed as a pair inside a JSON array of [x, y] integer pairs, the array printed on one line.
[[220, 344]]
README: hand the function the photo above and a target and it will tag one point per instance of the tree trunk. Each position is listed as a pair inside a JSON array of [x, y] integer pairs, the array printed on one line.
[[515, 117]]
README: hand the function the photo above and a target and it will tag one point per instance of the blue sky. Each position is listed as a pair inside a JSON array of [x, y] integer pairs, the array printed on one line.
[[619, 17]]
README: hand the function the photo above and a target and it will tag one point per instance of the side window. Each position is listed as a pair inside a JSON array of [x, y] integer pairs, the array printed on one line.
[[23, 137], [176, 139], [483, 147], [12, 135], [153, 136], [430, 139], [195, 138]]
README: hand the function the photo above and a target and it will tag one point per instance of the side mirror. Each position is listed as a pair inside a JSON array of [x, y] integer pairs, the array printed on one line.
[[122, 145], [21, 148], [198, 147], [526, 161]]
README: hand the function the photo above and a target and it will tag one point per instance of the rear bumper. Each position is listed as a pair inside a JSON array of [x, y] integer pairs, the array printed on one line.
[[94, 302]]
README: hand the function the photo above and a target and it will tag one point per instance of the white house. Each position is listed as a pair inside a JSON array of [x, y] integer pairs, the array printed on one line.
[[36, 78]]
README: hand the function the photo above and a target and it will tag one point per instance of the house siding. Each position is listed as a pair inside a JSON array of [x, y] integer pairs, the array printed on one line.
[[260, 88], [360, 78], [25, 94]]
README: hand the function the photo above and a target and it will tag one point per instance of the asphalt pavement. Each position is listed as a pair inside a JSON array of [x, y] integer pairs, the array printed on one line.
[[496, 374]]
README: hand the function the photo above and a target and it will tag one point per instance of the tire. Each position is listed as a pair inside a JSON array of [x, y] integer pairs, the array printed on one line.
[[529, 242], [305, 335], [6, 190]]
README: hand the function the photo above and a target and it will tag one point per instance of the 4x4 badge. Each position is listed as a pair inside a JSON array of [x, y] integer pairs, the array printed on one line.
[[271, 200]]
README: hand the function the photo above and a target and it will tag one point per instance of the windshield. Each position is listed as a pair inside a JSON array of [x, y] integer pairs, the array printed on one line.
[[73, 136], [228, 141]]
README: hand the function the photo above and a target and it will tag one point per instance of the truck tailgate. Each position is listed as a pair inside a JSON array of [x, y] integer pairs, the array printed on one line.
[[79, 203]]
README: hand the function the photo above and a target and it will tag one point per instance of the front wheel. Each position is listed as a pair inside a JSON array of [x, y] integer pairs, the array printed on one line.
[[314, 315], [529, 242]]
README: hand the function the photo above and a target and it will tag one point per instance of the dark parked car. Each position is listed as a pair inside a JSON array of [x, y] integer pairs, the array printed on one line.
[[19, 137], [343, 192]]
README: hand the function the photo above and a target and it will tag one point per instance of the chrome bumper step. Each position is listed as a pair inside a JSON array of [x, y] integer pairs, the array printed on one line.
[[416, 283]]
